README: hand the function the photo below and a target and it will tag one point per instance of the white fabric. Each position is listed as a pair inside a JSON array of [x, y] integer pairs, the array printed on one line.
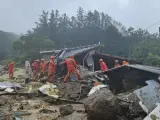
[[96, 88], [50, 90], [9, 90], [28, 68]]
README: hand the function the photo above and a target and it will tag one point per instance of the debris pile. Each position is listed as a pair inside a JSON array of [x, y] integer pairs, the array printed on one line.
[[89, 99]]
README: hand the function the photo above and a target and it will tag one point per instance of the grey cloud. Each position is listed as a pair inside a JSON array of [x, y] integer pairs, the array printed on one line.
[[19, 15]]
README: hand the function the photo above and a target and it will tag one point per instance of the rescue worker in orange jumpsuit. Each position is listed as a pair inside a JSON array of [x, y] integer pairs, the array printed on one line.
[[51, 69], [117, 64], [103, 65], [35, 69], [125, 63], [10, 70], [42, 68], [71, 68]]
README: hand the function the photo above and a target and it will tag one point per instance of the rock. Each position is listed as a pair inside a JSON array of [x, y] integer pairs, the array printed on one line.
[[2, 102], [101, 105], [130, 109], [66, 110]]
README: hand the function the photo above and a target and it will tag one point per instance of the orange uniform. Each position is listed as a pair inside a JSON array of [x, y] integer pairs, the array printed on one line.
[[35, 68], [51, 70], [103, 65], [10, 70], [71, 67], [43, 66]]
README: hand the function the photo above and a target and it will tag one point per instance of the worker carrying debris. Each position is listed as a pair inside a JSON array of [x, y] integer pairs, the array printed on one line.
[[11, 70], [125, 63], [71, 67], [103, 65], [51, 69], [116, 64], [42, 67], [35, 68]]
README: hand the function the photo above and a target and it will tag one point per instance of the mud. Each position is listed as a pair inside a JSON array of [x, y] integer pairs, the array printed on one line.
[[39, 109], [43, 107], [72, 90]]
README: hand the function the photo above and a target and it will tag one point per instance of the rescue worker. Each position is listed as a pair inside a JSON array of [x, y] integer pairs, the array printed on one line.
[[103, 65], [71, 68], [51, 69], [10, 70], [28, 71], [125, 63], [117, 64], [35, 69], [42, 67]]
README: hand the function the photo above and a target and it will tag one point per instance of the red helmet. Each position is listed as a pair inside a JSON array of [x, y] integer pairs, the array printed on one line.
[[52, 57], [116, 61], [71, 56], [37, 60], [101, 60], [124, 62]]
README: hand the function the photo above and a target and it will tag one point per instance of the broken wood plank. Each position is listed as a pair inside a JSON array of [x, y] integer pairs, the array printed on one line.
[[56, 100], [71, 101]]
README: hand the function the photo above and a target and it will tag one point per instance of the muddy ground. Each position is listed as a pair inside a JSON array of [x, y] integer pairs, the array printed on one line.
[[42, 107], [39, 109]]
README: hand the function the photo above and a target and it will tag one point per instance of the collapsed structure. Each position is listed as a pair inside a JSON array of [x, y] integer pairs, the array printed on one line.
[[86, 56], [129, 92], [140, 78]]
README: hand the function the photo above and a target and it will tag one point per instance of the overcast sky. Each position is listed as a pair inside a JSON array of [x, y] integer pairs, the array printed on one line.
[[19, 15]]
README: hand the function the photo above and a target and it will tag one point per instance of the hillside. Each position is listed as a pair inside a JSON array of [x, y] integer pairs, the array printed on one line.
[[6, 39]]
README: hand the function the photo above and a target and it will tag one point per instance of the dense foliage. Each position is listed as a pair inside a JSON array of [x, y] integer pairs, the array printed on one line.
[[148, 51], [56, 31], [6, 40]]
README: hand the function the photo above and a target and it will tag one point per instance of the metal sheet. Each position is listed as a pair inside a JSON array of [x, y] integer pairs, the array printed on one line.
[[154, 115], [77, 50], [146, 68], [149, 95], [4, 85]]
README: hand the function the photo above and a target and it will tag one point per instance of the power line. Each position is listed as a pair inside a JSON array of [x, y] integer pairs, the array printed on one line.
[[153, 25]]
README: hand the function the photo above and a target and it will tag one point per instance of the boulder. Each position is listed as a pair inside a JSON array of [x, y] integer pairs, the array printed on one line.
[[129, 107], [101, 105], [66, 110]]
